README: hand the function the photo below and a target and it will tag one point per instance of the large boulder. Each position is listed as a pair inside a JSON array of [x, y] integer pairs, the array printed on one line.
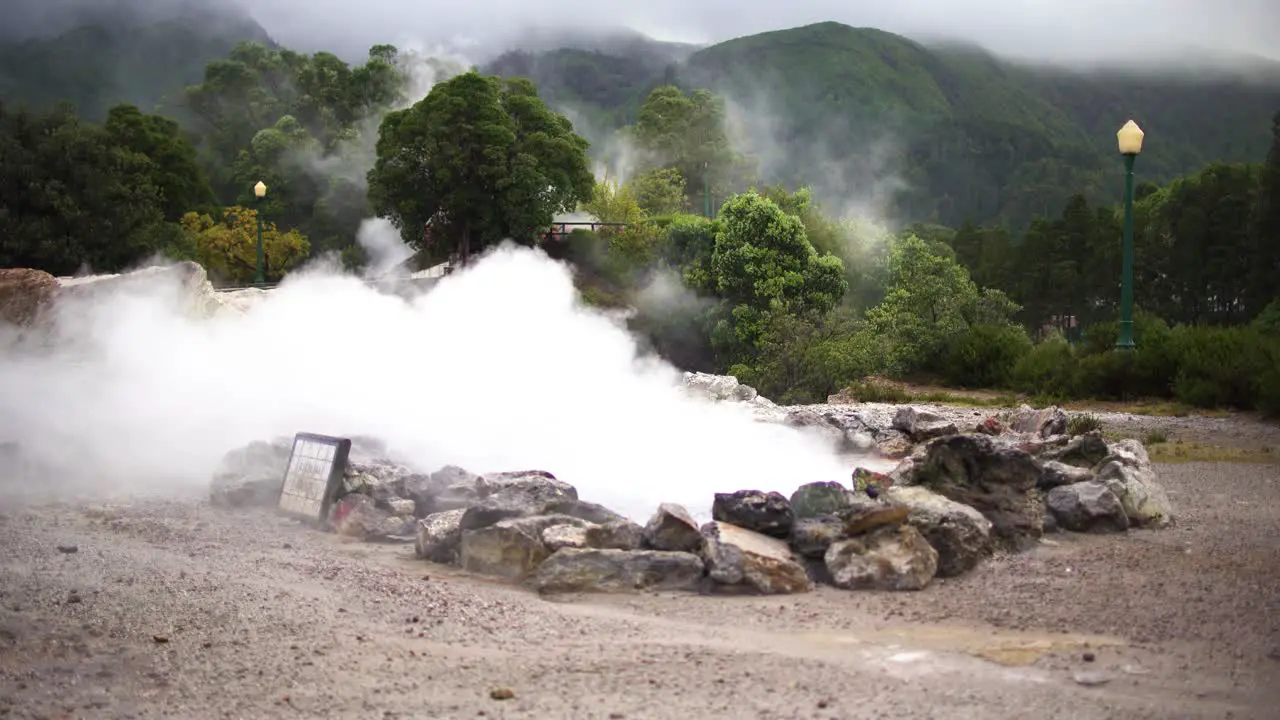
[[893, 444], [533, 486], [449, 488], [922, 425], [1087, 507], [358, 516], [1128, 474], [720, 388], [251, 476], [960, 534], [591, 570], [820, 498], [1056, 474], [891, 558], [672, 528], [511, 548], [767, 513], [1082, 451], [438, 536], [811, 536], [1045, 423], [25, 295], [998, 481], [746, 560]]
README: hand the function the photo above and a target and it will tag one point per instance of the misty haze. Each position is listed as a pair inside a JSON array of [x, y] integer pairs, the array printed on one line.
[[386, 360]]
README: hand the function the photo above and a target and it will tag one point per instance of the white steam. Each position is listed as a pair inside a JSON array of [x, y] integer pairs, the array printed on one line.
[[498, 367], [383, 245]]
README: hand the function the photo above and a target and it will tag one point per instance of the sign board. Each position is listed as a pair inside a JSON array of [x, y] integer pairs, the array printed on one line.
[[313, 476]]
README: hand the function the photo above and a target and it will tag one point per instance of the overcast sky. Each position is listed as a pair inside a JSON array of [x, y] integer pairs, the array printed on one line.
[[1050, 29]]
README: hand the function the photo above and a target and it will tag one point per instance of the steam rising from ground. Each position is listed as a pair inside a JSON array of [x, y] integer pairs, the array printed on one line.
[[498, 367]]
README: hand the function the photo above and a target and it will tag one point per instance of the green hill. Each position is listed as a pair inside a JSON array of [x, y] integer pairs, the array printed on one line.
[[965, 134], [118, 59]]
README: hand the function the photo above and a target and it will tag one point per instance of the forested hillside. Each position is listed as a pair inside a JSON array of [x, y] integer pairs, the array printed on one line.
[[971, 136]]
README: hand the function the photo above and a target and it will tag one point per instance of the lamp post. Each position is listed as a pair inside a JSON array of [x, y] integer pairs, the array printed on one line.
[[1130, 141], [260, 191]]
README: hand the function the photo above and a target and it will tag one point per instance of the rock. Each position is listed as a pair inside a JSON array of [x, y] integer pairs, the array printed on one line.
[[251, 476], [510, 548], [358, 516], [990, 426], [820, 498], [904, 473], [870, 483], [998, 481], [1144, 500], [893, 444], [399, 506], [748, 560], [718, 387], [615, 535], [672, 528], [815, 423], [564, 536], [922, 425], [1055, 474], [1046, 422], [496, 509], [534, 486], [591, 512], [811, 536], [25, 295], [891, 558], [1083, 451], [1087, 507], [449, 488], [591, 570], [960, 534], [765, 513], [867, 514], [438, 535]]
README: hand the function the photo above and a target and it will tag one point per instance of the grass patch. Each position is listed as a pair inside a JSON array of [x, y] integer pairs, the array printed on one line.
[[1083, 423], [1180, 452], [1155, 437]]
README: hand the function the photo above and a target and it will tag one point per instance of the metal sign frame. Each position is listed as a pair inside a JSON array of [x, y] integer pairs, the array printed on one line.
[[313, 477]]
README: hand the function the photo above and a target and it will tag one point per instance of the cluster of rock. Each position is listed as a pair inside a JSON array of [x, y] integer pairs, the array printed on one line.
[[956, 498]]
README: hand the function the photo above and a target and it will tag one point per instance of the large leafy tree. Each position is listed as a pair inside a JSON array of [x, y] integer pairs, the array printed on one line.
[[71, 197], [228, 247], [763, 263], [176, 170], [477, 161]]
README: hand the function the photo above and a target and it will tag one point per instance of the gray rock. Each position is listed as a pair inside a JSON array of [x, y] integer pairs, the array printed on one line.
[[765, 513], [893, 444], [1084, 451], [251, 476], [811, 536], [615, 535], [1087, 507], [672, 528], [892, 558], [998, 481], [535, 486], [399, 506], [1056, 474], [438, 536], [750, 561], [922, 425], [591, 512], [820, 498], [960, 534], [359, 516], [557, 537], [1046, 422], [511, 548], [1144, 500], [578, 570]]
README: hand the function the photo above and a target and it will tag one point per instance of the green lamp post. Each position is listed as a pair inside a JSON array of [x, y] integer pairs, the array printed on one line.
[[1130, 141], [260, 191]]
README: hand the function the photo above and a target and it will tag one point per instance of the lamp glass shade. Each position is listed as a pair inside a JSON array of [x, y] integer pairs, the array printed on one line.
[[1130, 138], [260, 190]]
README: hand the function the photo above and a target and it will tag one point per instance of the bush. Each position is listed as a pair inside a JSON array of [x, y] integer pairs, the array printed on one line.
[[1083, 423], [985, 356], [1048, 369], [1220, 367]]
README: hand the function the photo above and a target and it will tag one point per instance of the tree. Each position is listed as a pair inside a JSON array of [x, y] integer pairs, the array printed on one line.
[[1266, 229], [71, 197], [763, 263], [228, 248], [660, 191], [477, 161], [176, 170]]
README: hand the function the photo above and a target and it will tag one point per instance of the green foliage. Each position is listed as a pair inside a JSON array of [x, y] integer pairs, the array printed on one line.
[[477, 161], [660, 191], [1083, 423], [1048, 370], [1219, 367], [176, 172], [984, 356]]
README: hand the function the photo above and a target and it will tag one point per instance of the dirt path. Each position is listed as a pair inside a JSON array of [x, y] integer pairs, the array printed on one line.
[[173, 609]]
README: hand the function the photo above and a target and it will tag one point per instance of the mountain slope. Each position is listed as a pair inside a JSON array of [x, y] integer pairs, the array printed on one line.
[[128, 56]]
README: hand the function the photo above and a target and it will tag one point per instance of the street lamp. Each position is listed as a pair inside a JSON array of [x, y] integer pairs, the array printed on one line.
[[260, 191], [1130, 141]]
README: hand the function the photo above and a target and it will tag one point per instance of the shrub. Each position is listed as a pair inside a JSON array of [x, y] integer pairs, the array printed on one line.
[[1048, 369], [1155, 437], [873, 391], [1219, 367], [985, 356], [1083, 423]]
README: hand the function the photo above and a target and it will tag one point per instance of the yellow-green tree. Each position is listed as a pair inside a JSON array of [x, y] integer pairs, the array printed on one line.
[[634, 244], [228, 248]]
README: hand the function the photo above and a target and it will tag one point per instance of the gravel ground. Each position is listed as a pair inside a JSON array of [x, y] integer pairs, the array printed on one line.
[[169, 608]]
